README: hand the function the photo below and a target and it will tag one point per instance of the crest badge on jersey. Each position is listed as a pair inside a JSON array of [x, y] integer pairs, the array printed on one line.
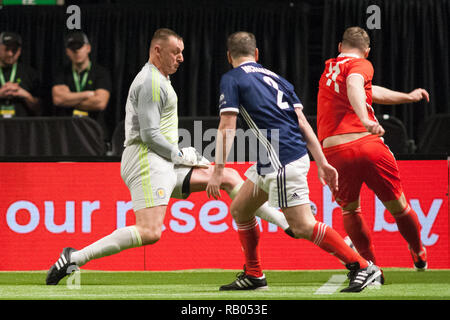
[[161, 193]]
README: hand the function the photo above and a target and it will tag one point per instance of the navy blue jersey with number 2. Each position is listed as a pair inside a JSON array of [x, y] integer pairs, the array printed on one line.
[[266, 102]]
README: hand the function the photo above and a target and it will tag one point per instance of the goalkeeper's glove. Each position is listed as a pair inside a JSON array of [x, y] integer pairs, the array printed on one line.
[[189, 157]]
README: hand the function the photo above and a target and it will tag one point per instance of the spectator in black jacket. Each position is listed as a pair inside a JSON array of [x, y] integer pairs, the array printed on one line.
[[19, 83], [82, 88]]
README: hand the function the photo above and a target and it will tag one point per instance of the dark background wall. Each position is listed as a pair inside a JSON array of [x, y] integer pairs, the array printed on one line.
[[294, 37]]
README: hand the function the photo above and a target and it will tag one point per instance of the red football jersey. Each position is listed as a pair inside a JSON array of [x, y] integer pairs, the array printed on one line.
[[335, 115]]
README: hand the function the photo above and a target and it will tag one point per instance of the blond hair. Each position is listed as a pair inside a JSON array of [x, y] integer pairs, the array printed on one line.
[[356, 37]]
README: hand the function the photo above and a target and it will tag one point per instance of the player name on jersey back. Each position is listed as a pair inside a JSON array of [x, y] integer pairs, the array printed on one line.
[[250, 69]]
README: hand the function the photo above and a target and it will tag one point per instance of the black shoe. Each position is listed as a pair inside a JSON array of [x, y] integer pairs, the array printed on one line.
[[246, 282], [377, 281], [61, 267], [360, 278]]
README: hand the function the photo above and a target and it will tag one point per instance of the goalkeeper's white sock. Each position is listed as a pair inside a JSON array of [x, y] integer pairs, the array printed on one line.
[[120, 239], [265, 212], [272, 215]]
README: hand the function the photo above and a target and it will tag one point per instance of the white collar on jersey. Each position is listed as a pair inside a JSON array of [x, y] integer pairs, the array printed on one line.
[[352, 55]]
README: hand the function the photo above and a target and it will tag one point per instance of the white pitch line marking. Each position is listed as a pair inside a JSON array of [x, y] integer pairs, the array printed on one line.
[[332, 284]]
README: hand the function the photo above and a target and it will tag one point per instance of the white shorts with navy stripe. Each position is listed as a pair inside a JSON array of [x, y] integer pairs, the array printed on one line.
[[286, 187]]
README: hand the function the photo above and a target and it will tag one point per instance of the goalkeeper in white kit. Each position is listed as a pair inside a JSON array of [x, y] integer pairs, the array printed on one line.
[[153, 167]]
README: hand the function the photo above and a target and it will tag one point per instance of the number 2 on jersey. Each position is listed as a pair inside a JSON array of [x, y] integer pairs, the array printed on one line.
[[273, 84]]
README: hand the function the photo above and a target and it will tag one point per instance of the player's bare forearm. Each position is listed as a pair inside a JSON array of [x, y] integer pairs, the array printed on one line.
[[224, 140], [357, 97], [225, 137], [383, 95]]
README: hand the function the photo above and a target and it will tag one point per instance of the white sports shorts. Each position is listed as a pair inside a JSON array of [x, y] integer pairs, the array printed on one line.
[[149, 177], [287, 187]]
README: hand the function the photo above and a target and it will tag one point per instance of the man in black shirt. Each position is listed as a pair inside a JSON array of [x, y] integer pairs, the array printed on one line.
[[82, 88], [19, 83]]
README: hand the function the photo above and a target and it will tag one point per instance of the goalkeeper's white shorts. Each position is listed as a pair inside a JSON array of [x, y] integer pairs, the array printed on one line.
[[149, 177]]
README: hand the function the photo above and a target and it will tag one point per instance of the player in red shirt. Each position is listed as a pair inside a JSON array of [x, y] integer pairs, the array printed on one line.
[[351, 139]]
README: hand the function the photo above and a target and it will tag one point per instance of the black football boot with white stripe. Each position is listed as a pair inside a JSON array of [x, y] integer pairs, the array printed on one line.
[[61, 267], [361, 278], [246, 282]]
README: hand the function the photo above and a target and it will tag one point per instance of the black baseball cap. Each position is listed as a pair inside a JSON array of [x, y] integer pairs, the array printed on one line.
[[75, 40], [10, 39]]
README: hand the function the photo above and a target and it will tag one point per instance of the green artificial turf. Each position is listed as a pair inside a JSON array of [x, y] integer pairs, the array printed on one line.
[[401, 284]]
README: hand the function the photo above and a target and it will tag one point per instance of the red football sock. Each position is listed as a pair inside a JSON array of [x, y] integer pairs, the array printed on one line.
[[330, 241], [409, 227], [359, 233], [249, 235]]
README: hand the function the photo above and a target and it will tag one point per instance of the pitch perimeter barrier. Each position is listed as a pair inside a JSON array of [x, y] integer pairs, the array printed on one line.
[[84, 137], [47, 205]]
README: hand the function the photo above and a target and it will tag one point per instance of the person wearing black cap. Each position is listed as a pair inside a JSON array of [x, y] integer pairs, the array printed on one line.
[[19, 83], [83, 88]]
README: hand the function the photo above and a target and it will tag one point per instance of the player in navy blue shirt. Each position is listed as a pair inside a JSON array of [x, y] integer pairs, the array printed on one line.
[[267, 102], [273, 111]]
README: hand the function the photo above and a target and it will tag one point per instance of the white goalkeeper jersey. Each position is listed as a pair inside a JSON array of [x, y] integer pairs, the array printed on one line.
[[152, 104]]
